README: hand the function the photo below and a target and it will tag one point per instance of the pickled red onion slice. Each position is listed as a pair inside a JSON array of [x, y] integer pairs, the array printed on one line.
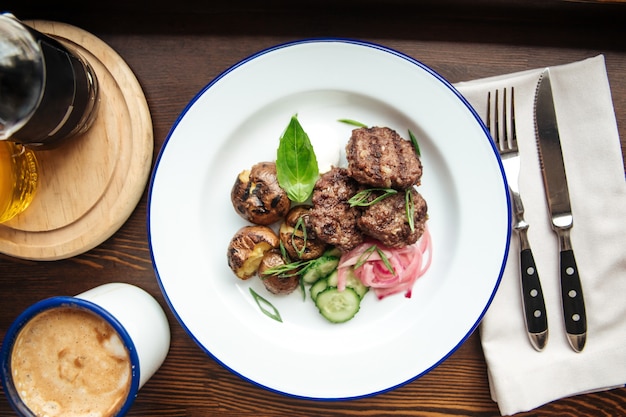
[[407, 265]]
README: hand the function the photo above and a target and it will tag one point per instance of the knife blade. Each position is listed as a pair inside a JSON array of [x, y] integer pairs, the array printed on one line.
[[557, 195]]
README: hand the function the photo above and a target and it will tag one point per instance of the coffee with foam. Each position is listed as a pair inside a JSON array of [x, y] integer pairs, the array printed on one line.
[[70, 362]]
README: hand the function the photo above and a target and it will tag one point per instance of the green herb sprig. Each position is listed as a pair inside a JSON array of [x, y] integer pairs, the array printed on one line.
[[415, 144], [362, 198], [368, 252], [285, 270], [352, 122], [410, 208], [299, 227], [266, 307]]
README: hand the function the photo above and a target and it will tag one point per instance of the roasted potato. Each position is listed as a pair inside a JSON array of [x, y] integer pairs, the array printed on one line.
[[277, 283], [298, 237], [247, 247], [257, 197]]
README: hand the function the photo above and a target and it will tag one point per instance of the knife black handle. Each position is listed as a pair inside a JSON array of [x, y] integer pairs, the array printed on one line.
[[532, 294], [572, 295]]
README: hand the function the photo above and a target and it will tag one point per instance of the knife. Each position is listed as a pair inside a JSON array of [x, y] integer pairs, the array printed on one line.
[[557, 195]]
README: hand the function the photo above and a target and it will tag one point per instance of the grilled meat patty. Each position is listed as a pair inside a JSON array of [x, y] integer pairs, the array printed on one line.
[[377, 158], [331, 217], [387, 220], [380, 157]]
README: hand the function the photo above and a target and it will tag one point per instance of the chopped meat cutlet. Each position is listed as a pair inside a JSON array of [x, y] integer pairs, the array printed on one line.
[[387, 221], [380, 157], [331, 217]]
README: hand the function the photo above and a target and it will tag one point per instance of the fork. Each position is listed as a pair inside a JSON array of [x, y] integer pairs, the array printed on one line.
[[504, 136]]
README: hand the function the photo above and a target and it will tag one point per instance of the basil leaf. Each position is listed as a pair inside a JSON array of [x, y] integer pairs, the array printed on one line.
[[296, 164]]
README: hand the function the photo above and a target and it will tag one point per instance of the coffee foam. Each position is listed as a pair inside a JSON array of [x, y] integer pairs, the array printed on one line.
[[69, 362]]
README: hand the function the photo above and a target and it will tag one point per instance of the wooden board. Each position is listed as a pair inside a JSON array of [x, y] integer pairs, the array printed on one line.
[[89, 186]]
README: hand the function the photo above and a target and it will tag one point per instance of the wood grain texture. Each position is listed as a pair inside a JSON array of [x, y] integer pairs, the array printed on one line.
[[175, 52]]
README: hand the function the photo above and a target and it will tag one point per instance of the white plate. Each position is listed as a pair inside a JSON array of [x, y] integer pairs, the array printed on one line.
[[235, 122]]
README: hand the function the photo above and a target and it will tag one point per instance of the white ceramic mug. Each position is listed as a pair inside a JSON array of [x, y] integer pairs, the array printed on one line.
[[136, 317]]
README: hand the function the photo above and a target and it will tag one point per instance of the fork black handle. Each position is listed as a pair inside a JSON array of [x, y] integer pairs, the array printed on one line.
[[534, 304]]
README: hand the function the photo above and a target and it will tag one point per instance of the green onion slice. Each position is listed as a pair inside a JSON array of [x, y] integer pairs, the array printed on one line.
[[410, 208], [352, 122], [266, 307], [286, 270], [362, 198], [299, 227], [368, 252], [415, 144]]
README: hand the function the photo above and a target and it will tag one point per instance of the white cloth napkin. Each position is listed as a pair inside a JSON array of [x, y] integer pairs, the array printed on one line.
[[521, 378]]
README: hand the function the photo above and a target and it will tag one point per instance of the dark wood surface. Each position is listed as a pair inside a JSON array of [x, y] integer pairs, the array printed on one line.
[[176, 48]]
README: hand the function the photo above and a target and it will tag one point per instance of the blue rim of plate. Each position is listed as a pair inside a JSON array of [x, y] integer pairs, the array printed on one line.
[[367, 44]]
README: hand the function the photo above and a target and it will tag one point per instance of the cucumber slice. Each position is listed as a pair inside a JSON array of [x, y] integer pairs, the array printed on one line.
[[352, 281], [319, 286], [320, 268], [333, 278], [333, 252], [338, 306]]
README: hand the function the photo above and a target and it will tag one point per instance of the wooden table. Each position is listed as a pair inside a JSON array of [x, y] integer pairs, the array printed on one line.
[[176, 48]]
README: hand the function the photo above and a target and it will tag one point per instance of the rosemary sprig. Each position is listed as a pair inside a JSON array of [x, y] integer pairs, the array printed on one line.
[[362, 198]]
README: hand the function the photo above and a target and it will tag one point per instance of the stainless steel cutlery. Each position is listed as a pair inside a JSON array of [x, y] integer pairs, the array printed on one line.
[[500, 121], [505, 137], [557, 195]]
